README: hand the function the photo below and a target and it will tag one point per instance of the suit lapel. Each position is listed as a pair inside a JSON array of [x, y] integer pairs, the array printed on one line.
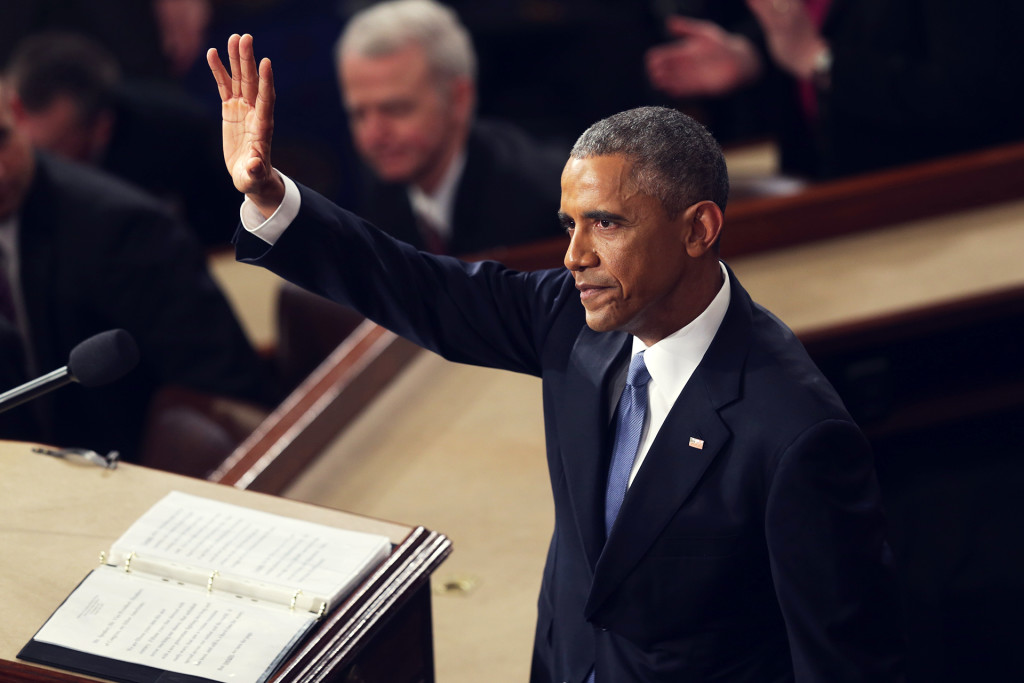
[[673, 468], [584, 433], [671, 471], [469, 219], [35, 258], [389, 209]]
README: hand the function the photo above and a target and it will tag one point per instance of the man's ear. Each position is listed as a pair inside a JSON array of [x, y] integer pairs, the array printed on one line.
[[463, 94], [17, 106], [101, 132], [704, 222]]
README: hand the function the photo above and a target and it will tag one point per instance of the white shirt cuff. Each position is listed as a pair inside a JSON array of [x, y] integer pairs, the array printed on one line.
[[270, 229]]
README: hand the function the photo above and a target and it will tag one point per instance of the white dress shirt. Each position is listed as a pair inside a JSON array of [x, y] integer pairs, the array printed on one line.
[[438, 207], [672, 361], [270, 229], [11, 267]]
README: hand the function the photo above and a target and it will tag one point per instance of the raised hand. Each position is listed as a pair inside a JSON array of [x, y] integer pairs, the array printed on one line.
[[793, 39], [247, 110], [704, 60]]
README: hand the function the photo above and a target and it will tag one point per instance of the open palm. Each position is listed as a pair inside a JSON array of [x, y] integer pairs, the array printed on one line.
[[247, 110]]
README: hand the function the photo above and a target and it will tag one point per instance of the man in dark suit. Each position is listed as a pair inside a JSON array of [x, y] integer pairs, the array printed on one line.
[[83, 253], [739, 536], [406, 69]]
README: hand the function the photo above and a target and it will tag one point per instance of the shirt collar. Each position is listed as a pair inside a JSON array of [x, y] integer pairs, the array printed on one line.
[[9, 234], [438, 206], [673, 360]]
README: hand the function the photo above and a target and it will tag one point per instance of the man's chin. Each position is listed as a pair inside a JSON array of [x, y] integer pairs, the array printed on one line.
[[600, 323], [394, 173]]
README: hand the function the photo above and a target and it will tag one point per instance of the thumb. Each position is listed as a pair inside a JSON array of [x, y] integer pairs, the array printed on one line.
[[256, 167], [687, 27], [760, 9]]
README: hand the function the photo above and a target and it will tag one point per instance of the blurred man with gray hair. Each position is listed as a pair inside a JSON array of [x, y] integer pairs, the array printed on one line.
[[441, 180]]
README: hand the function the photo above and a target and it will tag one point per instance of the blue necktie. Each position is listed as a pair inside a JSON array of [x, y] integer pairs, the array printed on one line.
[[629, 426]]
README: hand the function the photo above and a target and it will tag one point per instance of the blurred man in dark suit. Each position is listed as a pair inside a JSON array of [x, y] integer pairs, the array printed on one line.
[[441, 181], [83, 253], [71, 100]]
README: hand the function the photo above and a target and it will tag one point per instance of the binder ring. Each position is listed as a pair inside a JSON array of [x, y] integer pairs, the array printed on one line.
[[295, 598], [209, 582], [128, 562]]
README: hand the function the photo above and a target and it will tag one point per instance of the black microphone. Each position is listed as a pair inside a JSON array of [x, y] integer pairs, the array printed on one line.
[[98, 360]]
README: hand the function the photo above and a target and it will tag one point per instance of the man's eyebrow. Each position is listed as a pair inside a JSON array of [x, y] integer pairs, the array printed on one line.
[[599, 215]]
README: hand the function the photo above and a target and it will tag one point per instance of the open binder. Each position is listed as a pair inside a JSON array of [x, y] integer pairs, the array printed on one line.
[[200, 590]]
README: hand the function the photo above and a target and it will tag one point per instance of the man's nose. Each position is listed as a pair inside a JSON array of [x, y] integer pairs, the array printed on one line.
[[373, 129], [580, 254]]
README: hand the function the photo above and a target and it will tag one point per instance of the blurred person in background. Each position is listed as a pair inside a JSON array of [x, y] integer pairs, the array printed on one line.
[[439, 178], [854, 86], [83, 252], [70, 99]]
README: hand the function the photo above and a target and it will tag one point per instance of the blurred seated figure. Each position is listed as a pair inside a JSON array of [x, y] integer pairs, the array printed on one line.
[[70, 99], [83, 253], [860, 85], [440, 179]]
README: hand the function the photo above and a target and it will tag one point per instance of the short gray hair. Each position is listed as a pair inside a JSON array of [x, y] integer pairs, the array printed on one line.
[[675, 158], [387, 27]]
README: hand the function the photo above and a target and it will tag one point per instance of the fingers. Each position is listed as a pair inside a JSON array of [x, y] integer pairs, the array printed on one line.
[[220, 74], [778, 14], [236, 68], [244, 80], [265, 96], [250, 77], [663, 61], [684, 27]]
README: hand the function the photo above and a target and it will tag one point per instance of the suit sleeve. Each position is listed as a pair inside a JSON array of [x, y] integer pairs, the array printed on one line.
[[830, 562], [479, 313]]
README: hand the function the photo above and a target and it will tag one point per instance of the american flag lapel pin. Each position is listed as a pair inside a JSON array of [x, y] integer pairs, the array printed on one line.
[[696, 443]]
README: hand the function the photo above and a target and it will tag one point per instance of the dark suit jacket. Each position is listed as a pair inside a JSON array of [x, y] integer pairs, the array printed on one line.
[[760, 557], [508, 194], [97, 254], [920, 78]]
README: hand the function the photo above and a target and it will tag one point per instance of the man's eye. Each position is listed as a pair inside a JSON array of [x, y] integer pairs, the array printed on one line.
[[605, 223], [398, 109]]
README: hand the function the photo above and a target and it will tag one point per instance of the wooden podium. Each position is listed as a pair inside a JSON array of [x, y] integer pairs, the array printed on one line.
[[58, 515]]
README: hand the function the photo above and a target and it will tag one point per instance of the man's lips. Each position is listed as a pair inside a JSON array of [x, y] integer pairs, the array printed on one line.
[[590, 291]]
